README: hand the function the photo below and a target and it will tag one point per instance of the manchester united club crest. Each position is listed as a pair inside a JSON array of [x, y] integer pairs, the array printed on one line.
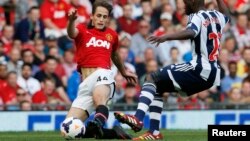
[[61, 6], [109, 37]]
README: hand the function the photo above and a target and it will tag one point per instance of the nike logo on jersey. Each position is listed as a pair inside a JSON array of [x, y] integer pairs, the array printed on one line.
[[98, 43]]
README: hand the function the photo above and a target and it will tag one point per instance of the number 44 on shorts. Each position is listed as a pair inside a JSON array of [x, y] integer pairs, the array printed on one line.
[[100, 78]]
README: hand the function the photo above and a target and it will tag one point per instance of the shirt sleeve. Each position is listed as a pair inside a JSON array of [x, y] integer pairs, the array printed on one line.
[[194, 23], [81, 30]]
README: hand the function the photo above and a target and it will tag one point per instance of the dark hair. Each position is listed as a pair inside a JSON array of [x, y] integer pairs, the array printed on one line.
[[130, 85], [232, 63], [174, 48], [49, 79], [50, 58], [142, 1], [102, 3], [26, 65], [24, 51], [33, 8], [238, 14]]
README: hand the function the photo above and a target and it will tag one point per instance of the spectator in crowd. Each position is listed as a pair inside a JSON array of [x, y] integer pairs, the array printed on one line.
[[24, 6], [130, 98], [179, 12], [149, 15], [151, 66], [245, 88], [27, 82], [123, 53], [39, 55], [54, 16], [136, 8], [2, 19], [224, 59], [166, 22], [125, 41], [22, 95], [8, 91], [83, 15], [231, 46], [139, 42], [48, 94], [3, 71], [3, 57], [7, 38], [60, 72], [10, 8], [31, 27], [126, 23], [69, 64], [241, 32], [28, 58], [117, 9], [49, 72], [25, 105], [232, 79], [51, 41], [174, 57], [119, 89], [235, 96], [15, 64], [244, 63]]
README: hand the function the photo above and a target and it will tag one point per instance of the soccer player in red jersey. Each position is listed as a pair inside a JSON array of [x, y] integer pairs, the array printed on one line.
[[95, 45]]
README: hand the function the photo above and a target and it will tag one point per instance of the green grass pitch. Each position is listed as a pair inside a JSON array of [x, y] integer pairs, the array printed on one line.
[[169, 135]]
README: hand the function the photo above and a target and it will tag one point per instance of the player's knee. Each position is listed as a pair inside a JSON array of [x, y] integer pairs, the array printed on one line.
[[101, 95]]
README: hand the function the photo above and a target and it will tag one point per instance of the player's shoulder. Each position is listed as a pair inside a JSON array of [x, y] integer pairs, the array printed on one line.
[[111, 31]]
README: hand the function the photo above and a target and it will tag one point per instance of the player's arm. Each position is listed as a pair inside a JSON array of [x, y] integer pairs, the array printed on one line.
[[71, 28], [130, 77], [223, 8], [182, 35]]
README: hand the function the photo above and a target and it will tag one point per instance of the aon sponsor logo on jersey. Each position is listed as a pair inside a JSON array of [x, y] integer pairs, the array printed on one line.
[[98, 43]]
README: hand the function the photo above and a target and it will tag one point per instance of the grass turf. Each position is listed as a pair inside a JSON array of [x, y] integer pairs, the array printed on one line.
[[169, 135]]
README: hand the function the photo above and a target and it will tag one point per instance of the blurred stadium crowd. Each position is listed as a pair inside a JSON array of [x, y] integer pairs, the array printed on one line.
[[37, 58]]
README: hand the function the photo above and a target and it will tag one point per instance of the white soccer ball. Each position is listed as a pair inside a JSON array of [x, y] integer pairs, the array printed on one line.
[[72, 128]]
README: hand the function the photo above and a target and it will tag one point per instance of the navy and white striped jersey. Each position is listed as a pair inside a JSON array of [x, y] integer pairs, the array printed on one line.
[[208, 27]]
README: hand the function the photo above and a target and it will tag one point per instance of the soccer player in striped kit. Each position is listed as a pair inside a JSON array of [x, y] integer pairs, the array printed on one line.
[[204, 29]]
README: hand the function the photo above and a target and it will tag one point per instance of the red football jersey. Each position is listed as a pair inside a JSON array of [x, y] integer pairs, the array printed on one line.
[[94, 47], [57, 12]]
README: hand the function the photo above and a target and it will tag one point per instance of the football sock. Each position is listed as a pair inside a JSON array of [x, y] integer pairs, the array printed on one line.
[[101, 114], [155, 110], [147, 95]]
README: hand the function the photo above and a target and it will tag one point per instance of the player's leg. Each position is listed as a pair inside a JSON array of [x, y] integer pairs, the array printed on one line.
[[78, 113], [155, 110], [100, 98], [101, 95], [147, 95], [156, 83]]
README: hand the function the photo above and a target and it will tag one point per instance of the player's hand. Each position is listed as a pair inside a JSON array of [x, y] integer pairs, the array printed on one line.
[[72, 15], [156, 40], [130, 77]]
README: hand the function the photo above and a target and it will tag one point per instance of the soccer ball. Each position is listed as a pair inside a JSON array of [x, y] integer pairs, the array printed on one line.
[[72, 128]]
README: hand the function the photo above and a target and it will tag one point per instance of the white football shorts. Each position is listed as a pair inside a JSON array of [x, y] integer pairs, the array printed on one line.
[[84, 98]]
